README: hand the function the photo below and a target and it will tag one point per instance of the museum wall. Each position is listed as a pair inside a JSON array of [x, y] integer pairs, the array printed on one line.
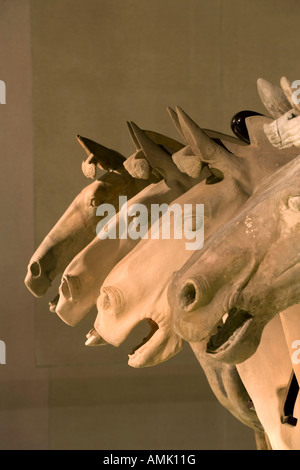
[[86, 67]]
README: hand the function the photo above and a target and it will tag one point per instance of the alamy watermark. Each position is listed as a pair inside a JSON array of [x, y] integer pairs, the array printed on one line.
[[296, 353], [2, 92], [2, 352], [161, 222]]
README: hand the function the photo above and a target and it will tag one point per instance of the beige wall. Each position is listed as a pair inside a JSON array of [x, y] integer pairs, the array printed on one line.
[[74, 66], [24, 388]]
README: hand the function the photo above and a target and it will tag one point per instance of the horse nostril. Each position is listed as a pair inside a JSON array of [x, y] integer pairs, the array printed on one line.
[[106, 301], [65, 288], [111, 300], [35, 269], [188, 295]]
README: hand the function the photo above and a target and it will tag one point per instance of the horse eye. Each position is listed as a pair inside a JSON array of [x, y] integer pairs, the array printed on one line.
[[294, 203]]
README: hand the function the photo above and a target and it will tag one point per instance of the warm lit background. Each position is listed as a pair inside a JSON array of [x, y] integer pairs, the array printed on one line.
[[88, 66]]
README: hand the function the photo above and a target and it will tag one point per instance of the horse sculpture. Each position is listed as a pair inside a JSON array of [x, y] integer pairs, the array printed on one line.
[[127, 297], [77, 226], [82, 279], [218, 171], [224, 297], [248, 272]]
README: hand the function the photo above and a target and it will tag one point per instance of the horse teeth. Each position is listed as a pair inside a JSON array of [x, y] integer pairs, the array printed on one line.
[[224, 318]]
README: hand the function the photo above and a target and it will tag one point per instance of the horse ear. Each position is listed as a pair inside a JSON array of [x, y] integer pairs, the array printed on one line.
[[167, 143], [158, 158], [175, 120], [219, 160], [133, 137], [273, 98], [105, 158]]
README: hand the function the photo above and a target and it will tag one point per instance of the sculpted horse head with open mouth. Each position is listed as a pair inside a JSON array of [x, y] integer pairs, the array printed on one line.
[[247, 272]]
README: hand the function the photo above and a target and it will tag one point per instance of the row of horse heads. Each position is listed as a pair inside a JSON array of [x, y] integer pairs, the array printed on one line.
[[230, 300]]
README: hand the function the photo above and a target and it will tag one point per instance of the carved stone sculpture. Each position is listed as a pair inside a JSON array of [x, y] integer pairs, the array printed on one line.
[[239, 402], [246, 274], [222, 296], [222, 201], [241, 273], [76, 228], [83, 277]]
